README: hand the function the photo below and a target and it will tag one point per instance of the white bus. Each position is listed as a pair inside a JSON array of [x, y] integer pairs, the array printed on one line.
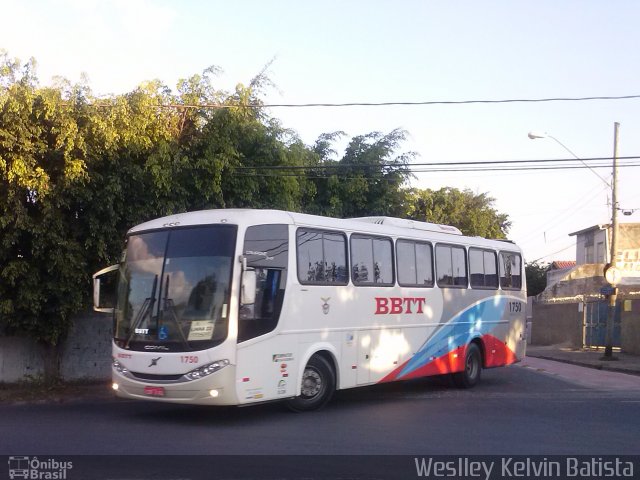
[[233, 307]]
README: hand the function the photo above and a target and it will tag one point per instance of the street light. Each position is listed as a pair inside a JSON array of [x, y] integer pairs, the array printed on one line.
[[536, 135], [610, 271]]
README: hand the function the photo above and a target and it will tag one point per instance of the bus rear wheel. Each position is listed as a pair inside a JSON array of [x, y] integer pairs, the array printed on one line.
[[468, 377], [318, 385]]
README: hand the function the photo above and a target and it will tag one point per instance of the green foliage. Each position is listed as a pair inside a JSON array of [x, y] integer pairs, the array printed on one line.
[[42, 162], [536, 274], [77, 172], [367, 180], [472, 213]]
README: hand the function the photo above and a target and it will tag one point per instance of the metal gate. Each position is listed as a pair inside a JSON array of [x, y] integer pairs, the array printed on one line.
[[595, 324]]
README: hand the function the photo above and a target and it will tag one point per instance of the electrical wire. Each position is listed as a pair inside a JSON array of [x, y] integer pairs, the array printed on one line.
[[245, 171], [379, 104], [451, 102], [576, 206], [553, 253], [598, 163]]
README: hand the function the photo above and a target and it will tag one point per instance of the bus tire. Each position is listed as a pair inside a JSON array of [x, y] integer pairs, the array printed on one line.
[[318, 385], [470, 376]]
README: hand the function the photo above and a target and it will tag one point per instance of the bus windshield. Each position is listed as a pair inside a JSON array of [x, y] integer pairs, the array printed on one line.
[[173, 289]]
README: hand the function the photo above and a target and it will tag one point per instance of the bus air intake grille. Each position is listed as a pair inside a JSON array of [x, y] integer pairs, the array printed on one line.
[[148, 376]]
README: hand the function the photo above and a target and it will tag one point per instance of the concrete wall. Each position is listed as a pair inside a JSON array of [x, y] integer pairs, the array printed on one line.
[[86, 354], [20, 359], [580, 241], [556, 323], [554, 276], [630, 329], [562, 323]]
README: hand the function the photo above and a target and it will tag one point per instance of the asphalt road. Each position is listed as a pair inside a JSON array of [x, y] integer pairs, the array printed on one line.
[[541, 408]]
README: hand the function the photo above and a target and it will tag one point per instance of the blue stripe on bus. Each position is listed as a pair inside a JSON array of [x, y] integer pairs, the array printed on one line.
[[476, 321]]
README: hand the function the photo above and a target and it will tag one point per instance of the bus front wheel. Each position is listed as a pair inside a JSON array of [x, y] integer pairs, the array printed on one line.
[[468, 377], [318, 385]]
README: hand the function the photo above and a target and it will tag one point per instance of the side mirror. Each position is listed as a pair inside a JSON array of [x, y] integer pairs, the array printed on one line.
[[105, 288], [248, 287]]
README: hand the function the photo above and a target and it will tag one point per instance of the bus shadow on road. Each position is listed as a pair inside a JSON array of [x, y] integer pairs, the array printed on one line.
[[343, 401]]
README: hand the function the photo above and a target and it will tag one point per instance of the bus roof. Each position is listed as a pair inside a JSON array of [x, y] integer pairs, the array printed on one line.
[[406, 223], [380, 225]]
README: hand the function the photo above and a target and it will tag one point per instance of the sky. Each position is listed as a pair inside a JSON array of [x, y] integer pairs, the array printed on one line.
[[400, 51]]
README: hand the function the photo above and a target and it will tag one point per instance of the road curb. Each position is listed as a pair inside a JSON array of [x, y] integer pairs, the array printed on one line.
[[587, 364]]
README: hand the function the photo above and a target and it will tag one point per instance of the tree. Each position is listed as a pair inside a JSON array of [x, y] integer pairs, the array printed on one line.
[[78, 172], [367, 180], [42, 165], [472, 213], [42, 162], [536, 274]]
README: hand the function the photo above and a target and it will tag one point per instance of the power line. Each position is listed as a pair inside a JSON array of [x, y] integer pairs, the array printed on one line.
[[450, 102], [560, 216], [518, 169], [431, 170], [377, 104], [549, 254], [335, 166]]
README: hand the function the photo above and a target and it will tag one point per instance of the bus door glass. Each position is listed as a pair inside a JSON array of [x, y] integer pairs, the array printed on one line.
[[266, 248]]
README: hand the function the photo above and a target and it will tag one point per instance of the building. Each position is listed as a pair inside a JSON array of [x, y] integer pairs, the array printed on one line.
[[593, 243], [572, 309], [558, 270]]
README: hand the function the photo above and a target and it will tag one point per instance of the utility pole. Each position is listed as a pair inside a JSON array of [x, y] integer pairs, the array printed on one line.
[[608, 347]]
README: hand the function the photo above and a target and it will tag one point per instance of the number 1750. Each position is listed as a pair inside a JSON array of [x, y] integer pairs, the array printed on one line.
[[515, 307]]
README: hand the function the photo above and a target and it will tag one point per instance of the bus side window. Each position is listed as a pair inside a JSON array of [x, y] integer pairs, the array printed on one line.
[[510, 268], [371, 260], [415, 265], [451, 266], [482, 268], [321, 257]]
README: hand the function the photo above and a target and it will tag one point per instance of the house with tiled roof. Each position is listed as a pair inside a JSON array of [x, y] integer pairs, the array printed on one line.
[[558, 270], [562, 264]]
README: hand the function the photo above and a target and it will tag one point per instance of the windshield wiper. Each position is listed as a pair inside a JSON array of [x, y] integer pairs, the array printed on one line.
[[169, 305], [146, 309]]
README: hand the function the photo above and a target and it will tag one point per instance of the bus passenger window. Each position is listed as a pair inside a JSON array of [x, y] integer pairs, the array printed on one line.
[[415, 265], [482, 268], [322, 257], [371, 260], [510, 268], [451, 266]]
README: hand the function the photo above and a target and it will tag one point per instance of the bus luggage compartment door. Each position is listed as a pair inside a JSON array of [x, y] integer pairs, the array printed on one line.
[[379, 353]]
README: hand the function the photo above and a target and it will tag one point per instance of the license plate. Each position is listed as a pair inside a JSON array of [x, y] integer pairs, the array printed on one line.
[[154, 391]]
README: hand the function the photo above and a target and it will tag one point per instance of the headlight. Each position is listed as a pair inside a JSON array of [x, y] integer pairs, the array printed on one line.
[[207, 369], [118, 366]]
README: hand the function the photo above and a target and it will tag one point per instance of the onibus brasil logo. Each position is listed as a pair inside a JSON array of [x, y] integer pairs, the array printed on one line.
[[38, 469]]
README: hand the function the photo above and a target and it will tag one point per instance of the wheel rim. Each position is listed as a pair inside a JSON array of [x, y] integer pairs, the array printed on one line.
[[311, 383]]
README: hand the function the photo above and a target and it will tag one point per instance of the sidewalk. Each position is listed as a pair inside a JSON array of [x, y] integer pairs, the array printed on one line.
[[626, 363], [25, 393]]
